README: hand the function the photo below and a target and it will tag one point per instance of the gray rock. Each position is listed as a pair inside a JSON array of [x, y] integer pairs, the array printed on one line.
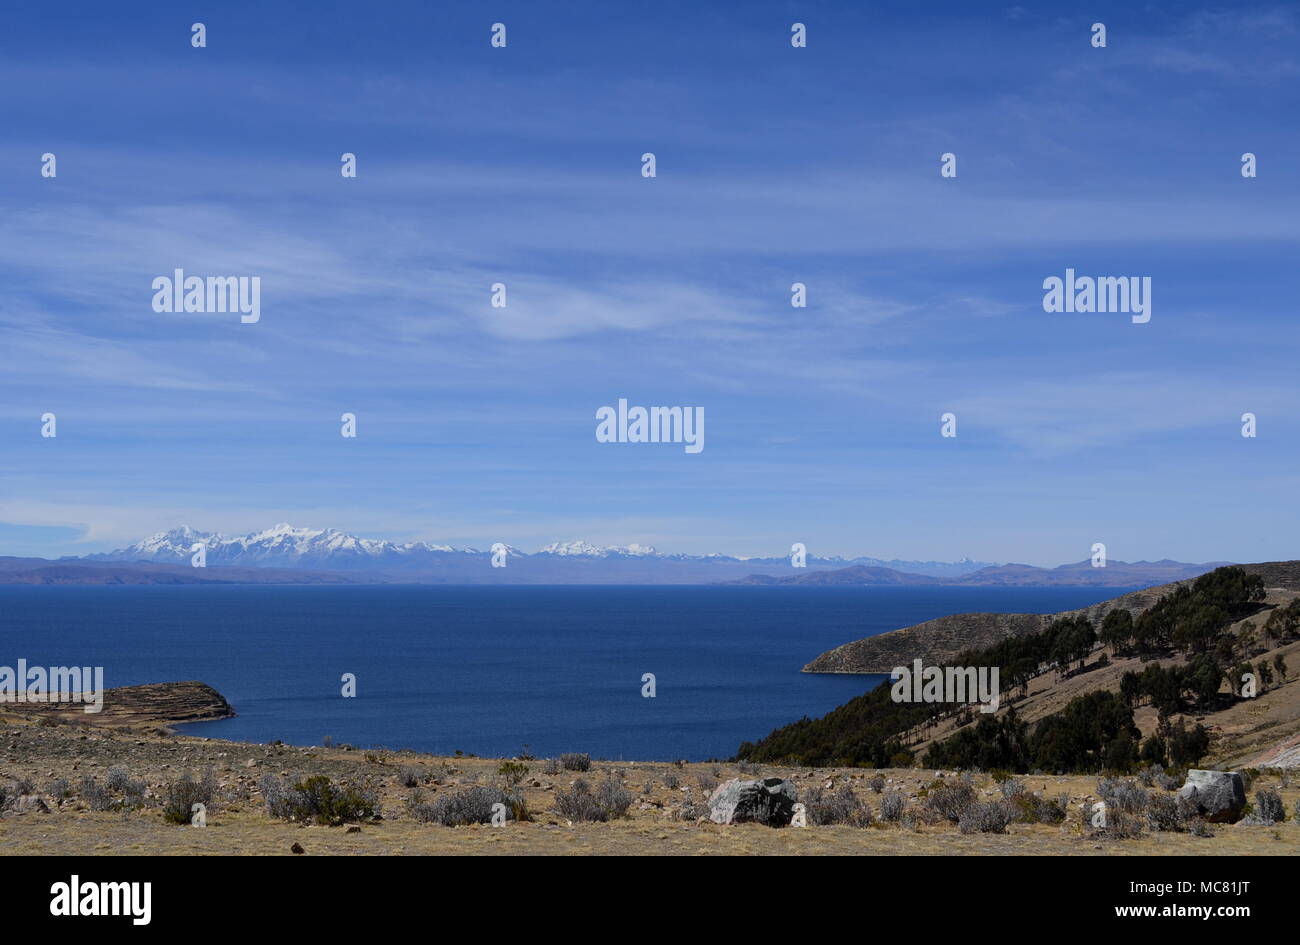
[[30, 803], [1220, 796], [769, 801]]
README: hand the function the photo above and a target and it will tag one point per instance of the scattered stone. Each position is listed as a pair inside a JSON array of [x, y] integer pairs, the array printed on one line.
[[769, 801], [30, 803], [1220, 796], [297, 848]]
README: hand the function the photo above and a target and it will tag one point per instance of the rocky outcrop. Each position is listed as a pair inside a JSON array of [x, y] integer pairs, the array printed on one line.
[[932, 641], [190, 701], [769, 801], [1220, 796], [29, 804]]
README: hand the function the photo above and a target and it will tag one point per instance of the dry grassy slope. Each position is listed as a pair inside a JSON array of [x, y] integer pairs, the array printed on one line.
[[937, 641], [238, 823]]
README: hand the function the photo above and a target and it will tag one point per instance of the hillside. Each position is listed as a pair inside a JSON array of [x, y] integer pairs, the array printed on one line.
[[1154, 673], [935, 641]]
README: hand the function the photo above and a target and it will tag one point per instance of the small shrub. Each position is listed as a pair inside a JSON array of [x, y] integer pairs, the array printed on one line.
[[708, 783], [133, 794], [690, 811], [576, 762], [512, 772], [611, 800], [275, 794], [1132, 798], [24, 786], [672, 781], [117, 779], [1123, 795], [181, 796], [986, 818], [96, 796], [318, 800], [615, 798], [1269, 809], [579, 805], [948, 799], [1165, 814], [1120, 825], [470, 806], [408, 777], [59, 788], [892, 806], [877, 783], [1012, 787], [552, 767], [826, 808], [1032, 809]]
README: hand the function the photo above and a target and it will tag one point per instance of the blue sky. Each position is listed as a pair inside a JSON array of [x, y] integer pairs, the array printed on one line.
[[775, 165]]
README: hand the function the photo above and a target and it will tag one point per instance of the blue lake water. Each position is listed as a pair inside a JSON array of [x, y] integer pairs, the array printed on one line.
[[489, 669]]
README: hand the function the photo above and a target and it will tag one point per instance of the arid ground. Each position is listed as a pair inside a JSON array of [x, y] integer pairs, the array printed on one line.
[[42, 751]]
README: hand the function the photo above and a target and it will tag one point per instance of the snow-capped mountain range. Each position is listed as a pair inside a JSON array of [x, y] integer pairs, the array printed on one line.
[[285, 546]]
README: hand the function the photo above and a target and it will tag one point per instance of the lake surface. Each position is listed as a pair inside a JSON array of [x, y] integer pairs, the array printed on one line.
[[488, 670]]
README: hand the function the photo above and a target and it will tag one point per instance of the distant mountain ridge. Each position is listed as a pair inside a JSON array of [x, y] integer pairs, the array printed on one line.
[[285, 546], [285, 554], [1075, 574]]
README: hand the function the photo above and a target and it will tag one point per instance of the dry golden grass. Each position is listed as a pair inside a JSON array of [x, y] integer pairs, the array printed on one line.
[[238, 824]]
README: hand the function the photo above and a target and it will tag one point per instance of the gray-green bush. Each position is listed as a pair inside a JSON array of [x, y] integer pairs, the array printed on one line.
[[992, 817], [949, 799], [182, 794], [471, 806], [318, 800], [892, 806], [609, 801], [841, 806]]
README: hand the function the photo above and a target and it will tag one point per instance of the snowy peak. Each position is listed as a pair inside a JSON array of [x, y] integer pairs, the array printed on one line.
[[585, 549], [178, 540], [289, 546]]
